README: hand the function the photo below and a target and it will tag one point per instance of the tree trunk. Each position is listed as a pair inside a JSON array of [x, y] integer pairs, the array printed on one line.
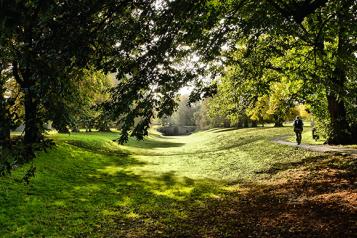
[[254, 123], [245, 122], [340, 132], [32, 122], [278, 121], [239, 124], [75, 129], [226, 123], [4, 123], [4, 113]]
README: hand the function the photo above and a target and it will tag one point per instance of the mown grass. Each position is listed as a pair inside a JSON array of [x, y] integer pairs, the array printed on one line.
[[307, 137], [89, 186]]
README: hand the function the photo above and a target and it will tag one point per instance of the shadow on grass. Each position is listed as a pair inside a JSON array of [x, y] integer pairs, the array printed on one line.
[[315, 162], [89, 147], [220, 130], [152, 144], [101, 197], [169, 206], [278, 167]]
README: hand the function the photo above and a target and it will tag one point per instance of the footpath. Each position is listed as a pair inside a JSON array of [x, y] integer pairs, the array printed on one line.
[[317, 148]]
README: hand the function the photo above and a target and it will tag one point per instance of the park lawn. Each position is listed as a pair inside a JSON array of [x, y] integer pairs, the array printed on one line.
[[215, 183]]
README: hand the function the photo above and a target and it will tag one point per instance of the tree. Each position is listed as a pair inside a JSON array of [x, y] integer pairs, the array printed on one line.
[[5, 120], [320, 31], [184, 114], [46, 41], [147, 44], [79, 101]]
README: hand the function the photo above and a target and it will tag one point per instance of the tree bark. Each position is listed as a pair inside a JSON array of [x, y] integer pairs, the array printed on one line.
[[340, 131], [4, 112], [4, 123], [32, 122]]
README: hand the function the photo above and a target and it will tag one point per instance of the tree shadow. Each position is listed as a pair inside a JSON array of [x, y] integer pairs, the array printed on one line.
[[220, 130], [110, 200], [170, 206], [152, 144], [278, 167], [320, 202]]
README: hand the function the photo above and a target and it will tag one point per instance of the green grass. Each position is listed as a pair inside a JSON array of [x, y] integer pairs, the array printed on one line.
[[307, 137], [89, 186]]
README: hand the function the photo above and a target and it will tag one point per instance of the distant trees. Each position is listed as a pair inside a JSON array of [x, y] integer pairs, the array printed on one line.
[[184, 115], [280, 53], [80, 105]]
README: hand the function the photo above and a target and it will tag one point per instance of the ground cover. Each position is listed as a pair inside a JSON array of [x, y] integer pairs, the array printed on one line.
[[216, 183]]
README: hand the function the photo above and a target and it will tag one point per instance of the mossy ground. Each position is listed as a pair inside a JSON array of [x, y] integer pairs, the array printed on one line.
[[216, 183]]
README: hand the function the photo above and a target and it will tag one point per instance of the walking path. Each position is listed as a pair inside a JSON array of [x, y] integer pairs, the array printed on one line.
[[317, 148]]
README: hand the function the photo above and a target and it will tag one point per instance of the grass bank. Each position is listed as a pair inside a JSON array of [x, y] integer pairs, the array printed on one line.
[[216, 183]]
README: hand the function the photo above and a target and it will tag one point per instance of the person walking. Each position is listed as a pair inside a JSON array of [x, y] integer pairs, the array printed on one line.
[[298, 128], [315, 136]]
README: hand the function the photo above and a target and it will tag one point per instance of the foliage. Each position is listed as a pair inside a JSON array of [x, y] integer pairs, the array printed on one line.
[[202, 118], [184, 115], [43, 43], [79, 105], [155, 48]]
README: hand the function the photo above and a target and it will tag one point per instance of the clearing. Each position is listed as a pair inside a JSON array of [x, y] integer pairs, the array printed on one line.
[[216, 183]]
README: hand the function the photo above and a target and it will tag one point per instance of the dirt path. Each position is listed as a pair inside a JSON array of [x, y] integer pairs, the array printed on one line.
[[317, 148]]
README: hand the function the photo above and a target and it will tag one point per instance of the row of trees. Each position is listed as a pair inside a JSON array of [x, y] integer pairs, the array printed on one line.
[[278, 51], [296, 52], [279, 54], [227, 108]]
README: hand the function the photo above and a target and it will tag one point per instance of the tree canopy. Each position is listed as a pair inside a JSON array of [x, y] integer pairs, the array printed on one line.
[[292, 50]]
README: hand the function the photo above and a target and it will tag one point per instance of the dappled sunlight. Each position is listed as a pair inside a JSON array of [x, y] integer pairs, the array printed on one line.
[[60, 203], [90, 188], [213, 185], [111, 170]]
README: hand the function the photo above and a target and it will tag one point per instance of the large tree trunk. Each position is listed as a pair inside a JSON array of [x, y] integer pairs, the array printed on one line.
[[4, 123], [4, 114], [32, 121], [340, 132]]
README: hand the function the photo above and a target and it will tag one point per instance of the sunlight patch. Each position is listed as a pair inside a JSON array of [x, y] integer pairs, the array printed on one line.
[[111, 170], [177, 194], [132, 215], [109, 213], [59, 203], [90, 187], [125, 202]]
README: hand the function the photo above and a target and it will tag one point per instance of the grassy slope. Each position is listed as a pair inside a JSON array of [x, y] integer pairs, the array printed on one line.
[[91, 186]]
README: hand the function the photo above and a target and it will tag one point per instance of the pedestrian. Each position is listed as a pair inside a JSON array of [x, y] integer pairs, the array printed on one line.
[[315, 136], [298, 128]]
